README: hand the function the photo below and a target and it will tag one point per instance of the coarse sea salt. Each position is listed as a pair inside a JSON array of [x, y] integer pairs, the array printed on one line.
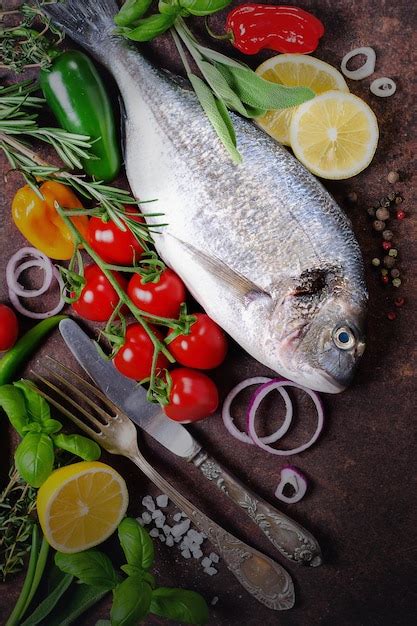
[[148, 503], [162, 501]]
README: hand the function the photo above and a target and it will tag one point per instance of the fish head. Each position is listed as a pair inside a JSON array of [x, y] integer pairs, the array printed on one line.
[[321, 337]]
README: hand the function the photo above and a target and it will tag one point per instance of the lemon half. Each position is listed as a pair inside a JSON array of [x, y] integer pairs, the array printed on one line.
[[81, 505]]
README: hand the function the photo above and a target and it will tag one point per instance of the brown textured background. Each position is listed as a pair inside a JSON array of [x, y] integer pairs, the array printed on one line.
[[361, 505]]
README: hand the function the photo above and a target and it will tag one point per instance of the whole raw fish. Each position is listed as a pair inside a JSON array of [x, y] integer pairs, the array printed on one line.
[[261, 245]]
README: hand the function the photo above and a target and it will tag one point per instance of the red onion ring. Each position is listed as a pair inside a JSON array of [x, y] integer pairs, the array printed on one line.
[[14, 299], [290, 475], [228, 420], [13, 272], [256, 400]]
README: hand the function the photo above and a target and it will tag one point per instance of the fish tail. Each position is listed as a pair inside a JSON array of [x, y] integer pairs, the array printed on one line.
[[88, 22]]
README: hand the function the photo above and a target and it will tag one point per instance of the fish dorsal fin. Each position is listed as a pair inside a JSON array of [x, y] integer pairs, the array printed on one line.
[[245, 288]]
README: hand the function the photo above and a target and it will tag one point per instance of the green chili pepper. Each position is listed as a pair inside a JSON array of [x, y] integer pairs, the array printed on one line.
[[150, 27], [131, 10], [22, 350], [203, 7], [75, 92]]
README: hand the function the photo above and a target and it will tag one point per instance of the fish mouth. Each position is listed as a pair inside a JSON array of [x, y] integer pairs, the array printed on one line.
[[319, 380]]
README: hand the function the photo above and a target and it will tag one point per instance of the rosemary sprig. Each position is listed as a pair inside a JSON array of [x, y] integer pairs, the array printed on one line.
[[17, 501]]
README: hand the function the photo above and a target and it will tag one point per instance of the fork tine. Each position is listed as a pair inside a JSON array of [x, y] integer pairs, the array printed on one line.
[[106, 401], [75, 404], [82, 425], [82, 395]]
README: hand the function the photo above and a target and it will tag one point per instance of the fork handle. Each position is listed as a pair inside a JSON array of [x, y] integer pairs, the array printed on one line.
[[290, 538], [262, 577]]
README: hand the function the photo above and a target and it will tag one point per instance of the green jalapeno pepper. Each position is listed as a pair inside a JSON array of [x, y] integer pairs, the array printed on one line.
[[75, 92]]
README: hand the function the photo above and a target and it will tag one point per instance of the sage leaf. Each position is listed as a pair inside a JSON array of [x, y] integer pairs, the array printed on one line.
[[13, 404], [34, 458], [131, 601], [180, 605], [91, 567], [216, 116], [221, 88], [213, 55], [48, 604], [136, 543], [77, 600], [79, 445], [260, 93], [37, 407]]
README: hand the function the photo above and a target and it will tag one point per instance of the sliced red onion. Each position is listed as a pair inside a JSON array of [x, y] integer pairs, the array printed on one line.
[[257, 398], [241, 436], [13, 271], [383, 87], [290, 475], [14, 299]]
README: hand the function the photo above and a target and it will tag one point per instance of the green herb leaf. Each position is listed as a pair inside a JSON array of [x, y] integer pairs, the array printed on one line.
[[12, 402], [103, 622], [91, 567], [34, 458], [77, 600], [136, 543], [203, 7], [180, 605], [131, 601], [79, 445], [48, 604], [131, 11], [261, 93], [37, 407], [215, 113], [221, 88], [148, 28], [51, 426]]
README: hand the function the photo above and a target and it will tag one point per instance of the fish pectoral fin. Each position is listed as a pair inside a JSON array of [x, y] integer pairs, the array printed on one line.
[[242, 286]]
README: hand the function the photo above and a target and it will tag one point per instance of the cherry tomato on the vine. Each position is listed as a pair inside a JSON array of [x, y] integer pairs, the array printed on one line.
[[112, 244], [9, 327], [204, 347], [134, 359], [163, 298], [98, 298], [193, 396]]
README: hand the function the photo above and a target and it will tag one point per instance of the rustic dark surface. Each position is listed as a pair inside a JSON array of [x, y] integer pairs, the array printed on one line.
[[361, 505]]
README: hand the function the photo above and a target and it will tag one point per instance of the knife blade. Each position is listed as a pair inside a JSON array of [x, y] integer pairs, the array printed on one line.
[[127, 394], [293, 541]]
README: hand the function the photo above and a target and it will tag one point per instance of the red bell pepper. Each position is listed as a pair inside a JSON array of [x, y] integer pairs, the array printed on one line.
[[253, 27]]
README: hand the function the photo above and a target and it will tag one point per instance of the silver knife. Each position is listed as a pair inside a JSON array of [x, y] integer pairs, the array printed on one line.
[[290, 538]]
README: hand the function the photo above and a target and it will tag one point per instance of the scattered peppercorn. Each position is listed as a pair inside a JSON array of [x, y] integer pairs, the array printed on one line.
[[389, 262], [392, 316], [393, 252], [387, 245], [352, 197], [395, 273], [371, 211], [378, 225], [399, 302], [393, 177], [385, 280], [400, 215], [382, 214], [391, 196], [376, 262], [399, 199], [387, 235], [396, 282], [384, 272]]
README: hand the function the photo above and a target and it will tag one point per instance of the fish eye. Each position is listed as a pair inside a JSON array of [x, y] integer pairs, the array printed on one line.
[[344, 338]]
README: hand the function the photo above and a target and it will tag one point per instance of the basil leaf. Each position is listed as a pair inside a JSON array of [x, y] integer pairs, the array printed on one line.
[[12, 402], [136, 543], [51, 426], [131, 11], [77, 600], [148, 28], [131, 602], [261, 93], [34, 458], [48, 604], [216, 115], [91, 567], [79, 445], [36, 406], [180, 605], [203, 7], [221, 87]]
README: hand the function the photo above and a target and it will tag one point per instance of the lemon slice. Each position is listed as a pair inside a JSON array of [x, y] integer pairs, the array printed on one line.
[[335, 135], [81, 505], [295, 70]]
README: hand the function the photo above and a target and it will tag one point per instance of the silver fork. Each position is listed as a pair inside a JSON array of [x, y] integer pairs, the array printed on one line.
[[262, 577]]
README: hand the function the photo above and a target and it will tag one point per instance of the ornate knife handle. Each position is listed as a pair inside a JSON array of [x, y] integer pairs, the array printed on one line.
[[264, 579], [290, 538]]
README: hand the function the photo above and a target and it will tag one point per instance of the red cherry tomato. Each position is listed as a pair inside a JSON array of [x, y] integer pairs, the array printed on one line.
[[193, 396], [163, 298], [98, 298], [9, 327], [112, 244], [204, 347], [134, 359]]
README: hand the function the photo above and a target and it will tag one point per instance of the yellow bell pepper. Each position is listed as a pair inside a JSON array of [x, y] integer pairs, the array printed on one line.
[[38, 220]]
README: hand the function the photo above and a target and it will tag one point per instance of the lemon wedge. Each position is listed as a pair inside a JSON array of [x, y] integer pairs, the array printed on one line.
[[81, 505], [335, 135], [296, 70]]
